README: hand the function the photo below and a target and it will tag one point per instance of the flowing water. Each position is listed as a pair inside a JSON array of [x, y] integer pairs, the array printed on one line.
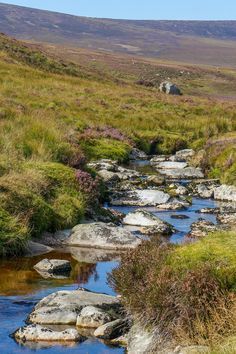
[[21, 287]]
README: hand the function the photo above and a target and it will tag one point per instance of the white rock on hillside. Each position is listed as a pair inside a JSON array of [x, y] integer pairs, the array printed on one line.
[[63, 307], [102, 235], [37, 333], [225, 192]]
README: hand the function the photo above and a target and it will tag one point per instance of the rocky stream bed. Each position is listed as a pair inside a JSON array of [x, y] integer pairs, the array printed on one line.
[[59, 300]]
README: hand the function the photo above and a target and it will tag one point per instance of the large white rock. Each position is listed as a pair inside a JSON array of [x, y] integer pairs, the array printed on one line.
[[102, 235], [145, 219], [92, 317], [145, 197], [37, 333], [225, 192], [63, 307], [172, 165]]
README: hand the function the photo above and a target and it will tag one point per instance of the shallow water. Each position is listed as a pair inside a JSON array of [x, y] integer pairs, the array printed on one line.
[[21, 287]]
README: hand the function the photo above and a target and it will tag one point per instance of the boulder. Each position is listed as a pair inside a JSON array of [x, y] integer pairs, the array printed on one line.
[[92, 317], [63, 307], [37, 333], [112, 329], [185, 154], [102, 235], [157, 159], [145, 197], [204, 192], [225, 192], [53, 266], [148, 220], [155, 180], [104, 164], [169, 88], [141, 341], [181, 190], [183, 173], [109, 176], [137, 154]]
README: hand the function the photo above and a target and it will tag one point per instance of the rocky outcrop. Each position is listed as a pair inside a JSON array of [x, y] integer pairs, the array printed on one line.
[[102, 235], [50, 267], [183, 155], [64, 307], [204, 191], [225, 192], [37, 333], [227, 219], [169, 88], [201, 228]]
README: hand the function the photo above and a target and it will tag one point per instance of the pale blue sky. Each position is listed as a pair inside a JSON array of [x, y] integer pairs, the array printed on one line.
[[140, 9]]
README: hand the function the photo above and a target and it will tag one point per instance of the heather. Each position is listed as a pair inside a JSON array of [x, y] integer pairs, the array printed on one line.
[[187, 292]]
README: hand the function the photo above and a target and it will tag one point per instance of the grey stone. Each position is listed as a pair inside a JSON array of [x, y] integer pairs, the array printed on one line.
[[169, 88], [92, 317], [108, 176], [145, 197], [53, 266], [205, 192], [102, 235], [183, 173], [137, 154], [171, 165], [112, 329], [37, 333], [63, 307], [225, 192]]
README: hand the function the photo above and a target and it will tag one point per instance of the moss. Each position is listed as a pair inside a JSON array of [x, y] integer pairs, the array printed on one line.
[[106, 149], [68, 211]]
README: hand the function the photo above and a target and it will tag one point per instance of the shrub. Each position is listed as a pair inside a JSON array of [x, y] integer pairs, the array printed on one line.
[[187, 292], [68, 211]]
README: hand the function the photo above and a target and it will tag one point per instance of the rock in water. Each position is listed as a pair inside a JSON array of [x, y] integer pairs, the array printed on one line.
[[92, 317], [102, 235], [37, 333], [183, 173], [145, 197], [224, 192], [63, 307], [152, 224], [53, 266], [112, 329], [169, 88]]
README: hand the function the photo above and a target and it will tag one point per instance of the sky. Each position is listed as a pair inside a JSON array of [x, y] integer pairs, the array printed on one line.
[[140, 9]]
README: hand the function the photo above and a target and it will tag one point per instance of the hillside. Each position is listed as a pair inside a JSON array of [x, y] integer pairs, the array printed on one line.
[[198, 42]]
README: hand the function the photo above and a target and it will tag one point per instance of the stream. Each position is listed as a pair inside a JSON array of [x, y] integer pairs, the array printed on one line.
[[21, 287]]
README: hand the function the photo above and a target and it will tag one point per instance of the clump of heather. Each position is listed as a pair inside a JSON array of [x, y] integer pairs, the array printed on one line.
[[89, 186], [105, 132]]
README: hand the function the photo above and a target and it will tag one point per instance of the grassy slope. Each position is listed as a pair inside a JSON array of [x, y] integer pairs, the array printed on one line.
[[50, 117]]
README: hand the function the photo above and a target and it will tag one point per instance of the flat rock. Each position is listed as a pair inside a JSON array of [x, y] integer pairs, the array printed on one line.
[[104, 164], [184, 154], [53, 266], [37, 333], [151, 223], [225, 192], [112, 329], [172, 165], [109, 176], [181, 190], [92, 317], [145, 197], [204, 191], [102, 235], [63, 307], [183, 173]]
